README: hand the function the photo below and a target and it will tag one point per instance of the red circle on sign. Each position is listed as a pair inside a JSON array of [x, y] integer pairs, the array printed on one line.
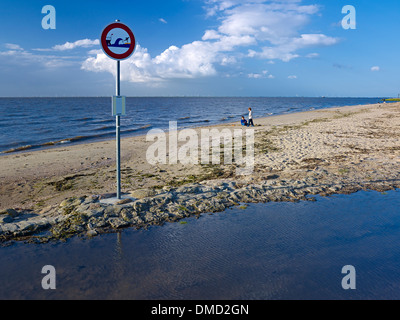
[[104, 44]]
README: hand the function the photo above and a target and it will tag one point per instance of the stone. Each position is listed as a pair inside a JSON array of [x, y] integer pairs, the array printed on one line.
[[5, 219], [117, 223], [77, 202], [124, 201], [141, 205], [10, 212], [107, 196], [65, 203], [91, 233], [10, 228], [143, 193]]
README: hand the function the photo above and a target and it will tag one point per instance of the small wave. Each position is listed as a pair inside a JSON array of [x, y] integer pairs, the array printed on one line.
[[84, 119], [104, 128], [199, 121], [136, 129], [184, 118], [53, 143], [103, 121], [73, 139], [23, 148]]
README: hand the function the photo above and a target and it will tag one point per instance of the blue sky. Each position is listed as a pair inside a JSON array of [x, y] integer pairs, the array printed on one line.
[[203, 48]]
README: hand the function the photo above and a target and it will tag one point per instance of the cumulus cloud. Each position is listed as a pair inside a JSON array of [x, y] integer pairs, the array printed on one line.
[[375, 68], [246, 29], [84, 43], [192, 60]]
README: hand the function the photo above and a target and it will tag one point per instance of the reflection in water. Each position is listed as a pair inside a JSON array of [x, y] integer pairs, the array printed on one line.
[[118, 259], [268, 251]]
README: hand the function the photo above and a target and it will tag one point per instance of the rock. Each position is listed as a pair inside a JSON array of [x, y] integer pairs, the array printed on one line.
[[46, 210], [91, 233], [5, 219], [77, 202], [98, 222], [126, 215], [124, 201], [27, 227], [94, 212], [106, 196], [141, 205], [65, 203], [112, 211], [190, 189], [10, 228], [117, 223], [143, 193], [10, 212]]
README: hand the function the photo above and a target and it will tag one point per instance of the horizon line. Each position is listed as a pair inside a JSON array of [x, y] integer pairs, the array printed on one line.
[[194, 96]]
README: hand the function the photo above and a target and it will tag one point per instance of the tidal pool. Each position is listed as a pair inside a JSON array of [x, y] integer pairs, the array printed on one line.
[[266, 251]]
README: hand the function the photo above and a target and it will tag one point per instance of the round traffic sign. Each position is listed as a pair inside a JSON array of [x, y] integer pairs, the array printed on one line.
[[117, 41]]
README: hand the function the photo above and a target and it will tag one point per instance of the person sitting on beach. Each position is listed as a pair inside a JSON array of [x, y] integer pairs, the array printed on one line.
[[251, 118], [243, 121]]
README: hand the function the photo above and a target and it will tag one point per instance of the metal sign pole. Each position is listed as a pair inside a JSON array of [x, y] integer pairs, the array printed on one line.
[[118, 102], [118, 135]]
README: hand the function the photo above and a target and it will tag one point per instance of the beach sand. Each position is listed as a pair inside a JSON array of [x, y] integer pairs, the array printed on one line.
[[345, 149]]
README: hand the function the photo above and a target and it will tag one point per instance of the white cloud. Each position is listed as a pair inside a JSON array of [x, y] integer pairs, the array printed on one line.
[[254, 75], [263, 74], [21, 57], [12, 46], [292, 77], [286, 51], [162, 20], [375, 68], [246, 29], [312, 55], [211, 35], [85, 43]]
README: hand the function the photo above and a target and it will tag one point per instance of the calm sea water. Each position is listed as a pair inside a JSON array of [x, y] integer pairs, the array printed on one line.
[[31, 123], [268, 251]]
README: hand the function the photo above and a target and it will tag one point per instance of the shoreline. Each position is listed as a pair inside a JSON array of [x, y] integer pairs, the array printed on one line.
[[85, 139], [59, 192]]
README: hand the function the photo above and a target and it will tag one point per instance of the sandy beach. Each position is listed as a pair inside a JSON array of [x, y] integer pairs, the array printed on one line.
[[336, 150]]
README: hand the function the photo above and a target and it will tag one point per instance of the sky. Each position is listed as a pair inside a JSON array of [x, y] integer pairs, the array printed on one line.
[[203, 48]]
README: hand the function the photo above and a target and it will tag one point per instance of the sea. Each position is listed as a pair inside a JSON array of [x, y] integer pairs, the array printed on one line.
[[38, 123]]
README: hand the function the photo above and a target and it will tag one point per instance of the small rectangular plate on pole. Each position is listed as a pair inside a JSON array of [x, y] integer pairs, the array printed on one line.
[[118, 106]]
